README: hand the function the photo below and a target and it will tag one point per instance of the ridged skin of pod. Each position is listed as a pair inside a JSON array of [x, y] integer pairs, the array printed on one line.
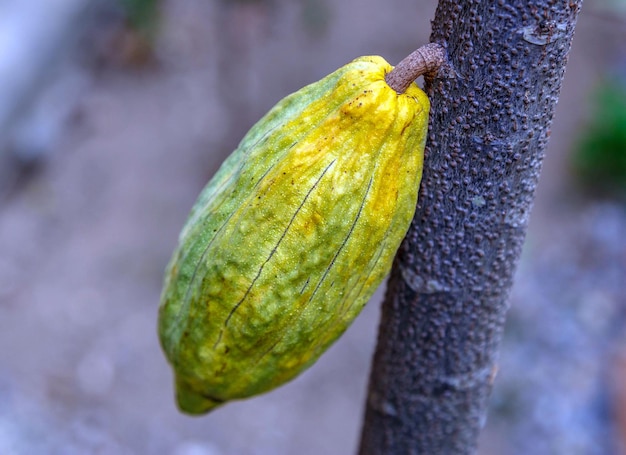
[[293, 235]]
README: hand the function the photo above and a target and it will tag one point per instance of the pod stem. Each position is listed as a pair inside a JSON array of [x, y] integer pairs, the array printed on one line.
[[425, 60]]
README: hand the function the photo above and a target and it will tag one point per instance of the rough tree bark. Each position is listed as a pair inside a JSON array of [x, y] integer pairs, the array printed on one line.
[[446, 300]]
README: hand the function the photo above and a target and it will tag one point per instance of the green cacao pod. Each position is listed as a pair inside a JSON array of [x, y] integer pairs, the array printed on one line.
[[293, 235]]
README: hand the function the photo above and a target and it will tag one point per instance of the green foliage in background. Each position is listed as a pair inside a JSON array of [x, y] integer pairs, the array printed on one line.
[[142, 15], [600, 158]]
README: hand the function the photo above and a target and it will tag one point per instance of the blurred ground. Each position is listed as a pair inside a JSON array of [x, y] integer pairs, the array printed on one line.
[[84, 239]]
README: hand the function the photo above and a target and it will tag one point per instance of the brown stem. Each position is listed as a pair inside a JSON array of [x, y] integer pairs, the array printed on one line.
[[427, 59]]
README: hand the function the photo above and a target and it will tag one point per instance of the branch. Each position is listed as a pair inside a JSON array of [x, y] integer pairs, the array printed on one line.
[[445, 306]]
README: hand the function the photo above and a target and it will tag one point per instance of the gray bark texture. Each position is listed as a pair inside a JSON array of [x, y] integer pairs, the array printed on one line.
[[446, 301]]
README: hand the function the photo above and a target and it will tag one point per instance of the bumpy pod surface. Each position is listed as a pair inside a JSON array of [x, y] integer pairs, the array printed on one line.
[[293, 235]]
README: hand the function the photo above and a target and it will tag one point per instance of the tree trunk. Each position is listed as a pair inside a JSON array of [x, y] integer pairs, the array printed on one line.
[[446, 300]]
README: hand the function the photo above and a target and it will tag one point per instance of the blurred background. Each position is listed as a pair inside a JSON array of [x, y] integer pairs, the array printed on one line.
[[114, 114]]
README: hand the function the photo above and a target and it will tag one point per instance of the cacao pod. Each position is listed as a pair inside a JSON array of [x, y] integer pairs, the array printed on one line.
[[293, 235]]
